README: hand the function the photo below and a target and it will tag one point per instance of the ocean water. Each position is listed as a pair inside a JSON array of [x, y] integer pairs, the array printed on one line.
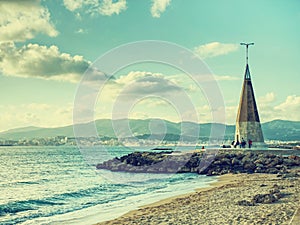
[[56, 185]]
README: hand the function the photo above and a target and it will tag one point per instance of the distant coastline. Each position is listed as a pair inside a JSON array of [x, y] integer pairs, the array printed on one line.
[[274, 131], [5, 145]]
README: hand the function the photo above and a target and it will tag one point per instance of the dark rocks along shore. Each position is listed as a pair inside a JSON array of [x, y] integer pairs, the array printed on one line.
[[219, 163]]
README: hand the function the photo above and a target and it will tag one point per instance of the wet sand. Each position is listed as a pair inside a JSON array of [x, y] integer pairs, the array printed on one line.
[[218, 204]]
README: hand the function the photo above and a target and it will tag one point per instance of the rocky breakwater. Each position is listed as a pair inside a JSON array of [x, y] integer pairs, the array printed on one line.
[[221, 163]]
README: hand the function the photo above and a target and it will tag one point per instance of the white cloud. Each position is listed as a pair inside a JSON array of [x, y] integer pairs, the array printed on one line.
[[214, 49], [36, 106], [105, 7], [133, 76], [158, 7], [137, 85], [146, 91], [225, 78], [73, 5], [186, 81], [81, 31], [108, 7], [38, 61], [22, 20], [155, 102], [142, 83], [35, 114], [230, 115], [268, 98], [287, 110], [212, 78], [290, 108]]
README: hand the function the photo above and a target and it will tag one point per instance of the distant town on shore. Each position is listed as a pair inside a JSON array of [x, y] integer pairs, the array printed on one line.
[[278, 133]]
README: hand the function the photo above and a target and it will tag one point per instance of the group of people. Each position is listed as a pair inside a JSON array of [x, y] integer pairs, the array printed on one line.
[[241, 144]]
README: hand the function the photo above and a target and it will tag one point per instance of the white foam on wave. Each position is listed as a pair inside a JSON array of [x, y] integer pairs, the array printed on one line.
[[112, 210]]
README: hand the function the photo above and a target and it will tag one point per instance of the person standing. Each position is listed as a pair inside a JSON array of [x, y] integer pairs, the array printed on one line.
[[250, 143], [237, 143], [243, 143]]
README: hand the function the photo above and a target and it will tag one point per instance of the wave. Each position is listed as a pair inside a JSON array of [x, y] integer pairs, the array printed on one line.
[[29, 182], [70, 201], [80, 199], [26, 182], [20, 206]]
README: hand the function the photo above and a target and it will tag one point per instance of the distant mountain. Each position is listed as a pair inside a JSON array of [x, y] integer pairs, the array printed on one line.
[[154, 129], [22, 129], [37, 132], [282, 130]]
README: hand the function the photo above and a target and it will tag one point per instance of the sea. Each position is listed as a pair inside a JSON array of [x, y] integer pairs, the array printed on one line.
[[58, 185]]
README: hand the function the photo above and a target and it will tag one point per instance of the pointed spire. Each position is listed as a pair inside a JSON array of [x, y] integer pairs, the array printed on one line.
[[247, 73], [247, 108], [248, 125]]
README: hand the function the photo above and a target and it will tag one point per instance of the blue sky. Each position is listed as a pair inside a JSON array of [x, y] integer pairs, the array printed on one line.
[[45, 47]]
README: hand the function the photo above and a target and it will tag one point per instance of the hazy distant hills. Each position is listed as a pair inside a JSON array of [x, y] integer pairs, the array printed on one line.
[[282, 130], [153, 128]]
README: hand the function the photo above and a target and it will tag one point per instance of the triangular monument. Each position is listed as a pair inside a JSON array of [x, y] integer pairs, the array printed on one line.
[[248, 125]]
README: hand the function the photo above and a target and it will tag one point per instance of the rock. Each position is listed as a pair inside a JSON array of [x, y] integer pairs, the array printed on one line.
[[294, 157], [273, 196], [249, 166], [222, 163], [235, 161], [184, 170], [277, 187], [292, 175], [212, 173], [291, 162], [258, 170], [272, 170], [263, 198], [225, 161], [245, 203]]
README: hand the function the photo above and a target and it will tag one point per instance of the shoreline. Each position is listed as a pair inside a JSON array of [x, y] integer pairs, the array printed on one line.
[[221, 180], [218, 203]]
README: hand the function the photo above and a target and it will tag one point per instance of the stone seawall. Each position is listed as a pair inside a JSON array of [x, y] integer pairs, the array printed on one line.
[[222, 163]]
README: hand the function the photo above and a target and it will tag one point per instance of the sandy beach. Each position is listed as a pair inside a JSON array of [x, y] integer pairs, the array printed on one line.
[[234, 199]]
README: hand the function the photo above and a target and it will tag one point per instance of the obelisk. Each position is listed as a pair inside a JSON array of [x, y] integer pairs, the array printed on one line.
[[248, 127]]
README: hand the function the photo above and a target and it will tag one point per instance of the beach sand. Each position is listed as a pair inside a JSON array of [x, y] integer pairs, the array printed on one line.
[[217, 204]]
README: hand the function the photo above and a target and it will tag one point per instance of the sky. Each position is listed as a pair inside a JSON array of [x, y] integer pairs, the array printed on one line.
[[46, 47]]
